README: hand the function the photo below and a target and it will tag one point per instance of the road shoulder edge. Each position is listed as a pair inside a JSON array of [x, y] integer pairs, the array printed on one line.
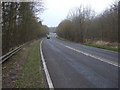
[[49, 81], [90, 45]]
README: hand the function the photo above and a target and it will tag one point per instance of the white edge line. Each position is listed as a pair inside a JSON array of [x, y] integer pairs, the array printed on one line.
[[49, 81], [101, 59]]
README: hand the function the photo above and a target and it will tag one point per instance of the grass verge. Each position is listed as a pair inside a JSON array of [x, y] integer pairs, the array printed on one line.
[[103, 47], [31, 76], [91, 45]]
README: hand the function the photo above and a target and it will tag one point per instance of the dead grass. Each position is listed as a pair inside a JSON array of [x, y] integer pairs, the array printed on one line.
[[107, 44], [114, 46]]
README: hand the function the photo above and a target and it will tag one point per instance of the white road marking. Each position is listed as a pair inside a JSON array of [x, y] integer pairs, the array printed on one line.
[[49, 81], [93, 56]]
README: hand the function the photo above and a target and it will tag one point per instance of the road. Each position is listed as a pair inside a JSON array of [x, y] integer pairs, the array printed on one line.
[[72, 65]]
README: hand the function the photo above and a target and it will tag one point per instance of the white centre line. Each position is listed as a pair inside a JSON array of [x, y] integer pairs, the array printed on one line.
[[49, 81], [93, 56]]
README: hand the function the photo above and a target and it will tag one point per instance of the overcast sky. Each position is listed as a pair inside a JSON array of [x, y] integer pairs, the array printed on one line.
[[57, 10]]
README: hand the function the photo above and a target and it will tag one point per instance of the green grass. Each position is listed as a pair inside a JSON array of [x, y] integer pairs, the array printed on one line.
[[91, 45], [31, 75], [103, 47]]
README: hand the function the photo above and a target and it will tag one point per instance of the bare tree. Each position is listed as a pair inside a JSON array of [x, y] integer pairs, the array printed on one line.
[[87, 25]]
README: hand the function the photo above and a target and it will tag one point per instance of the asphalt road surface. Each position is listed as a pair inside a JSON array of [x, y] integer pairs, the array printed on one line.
[[72, 65]]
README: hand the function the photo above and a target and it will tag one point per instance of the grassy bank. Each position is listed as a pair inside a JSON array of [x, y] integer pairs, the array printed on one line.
[[93, 45], [103, 47], [31, 76]]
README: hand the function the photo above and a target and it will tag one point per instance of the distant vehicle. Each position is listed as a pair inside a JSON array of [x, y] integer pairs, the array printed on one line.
[[48, 36]]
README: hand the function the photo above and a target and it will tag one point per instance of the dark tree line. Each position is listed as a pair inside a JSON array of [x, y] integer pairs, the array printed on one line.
[[118, 21], [82, 25], [20, 24]]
